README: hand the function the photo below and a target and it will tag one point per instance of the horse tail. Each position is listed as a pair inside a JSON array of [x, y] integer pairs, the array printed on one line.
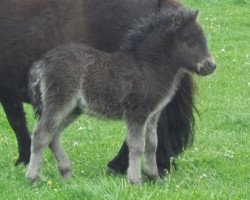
[[179, 117], [34, 87]]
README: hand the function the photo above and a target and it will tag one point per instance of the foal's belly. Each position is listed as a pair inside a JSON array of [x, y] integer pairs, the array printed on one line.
[[104, 106]]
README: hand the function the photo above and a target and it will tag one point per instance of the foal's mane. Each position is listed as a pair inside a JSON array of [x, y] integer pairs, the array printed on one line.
[[170, 18]]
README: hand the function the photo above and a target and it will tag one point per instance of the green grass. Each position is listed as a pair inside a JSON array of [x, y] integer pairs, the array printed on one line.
[[215, 167]]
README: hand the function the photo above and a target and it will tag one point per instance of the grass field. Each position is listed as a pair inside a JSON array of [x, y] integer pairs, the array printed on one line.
[[217, 166]]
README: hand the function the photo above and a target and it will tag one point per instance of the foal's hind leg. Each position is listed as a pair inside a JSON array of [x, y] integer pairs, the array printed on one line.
[[40, 139], [151, 169], [61, 157], [48, 127]]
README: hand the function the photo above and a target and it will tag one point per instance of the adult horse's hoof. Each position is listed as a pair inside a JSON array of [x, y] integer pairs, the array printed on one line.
[[114, 171], [116, 168], [164, 170], [22, 160]]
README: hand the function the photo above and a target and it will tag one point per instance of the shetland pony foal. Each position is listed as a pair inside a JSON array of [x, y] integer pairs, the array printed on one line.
[[135, 84]]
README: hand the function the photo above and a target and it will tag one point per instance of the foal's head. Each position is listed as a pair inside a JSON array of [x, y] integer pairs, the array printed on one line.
[[172, 36], [190, 46]]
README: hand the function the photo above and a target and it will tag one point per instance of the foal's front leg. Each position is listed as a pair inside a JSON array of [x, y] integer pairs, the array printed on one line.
[[136, 144], [136, 120], [151, 169]]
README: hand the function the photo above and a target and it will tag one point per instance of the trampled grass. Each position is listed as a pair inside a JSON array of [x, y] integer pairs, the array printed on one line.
[[215, 167]]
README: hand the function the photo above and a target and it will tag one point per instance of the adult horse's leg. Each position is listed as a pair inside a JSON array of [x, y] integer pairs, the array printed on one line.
[[119, 164], [164, 149], [16, 117]]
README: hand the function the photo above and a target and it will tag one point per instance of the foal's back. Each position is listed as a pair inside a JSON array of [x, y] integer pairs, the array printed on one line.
[[93, 80]]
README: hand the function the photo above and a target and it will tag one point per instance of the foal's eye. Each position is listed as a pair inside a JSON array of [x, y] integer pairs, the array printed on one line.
[[190, 42]]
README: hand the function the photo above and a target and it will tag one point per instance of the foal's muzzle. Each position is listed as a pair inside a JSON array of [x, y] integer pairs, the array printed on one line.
[[207, 68]]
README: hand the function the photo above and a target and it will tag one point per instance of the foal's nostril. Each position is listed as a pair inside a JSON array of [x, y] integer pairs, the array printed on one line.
[[207, 68], [211, 65]]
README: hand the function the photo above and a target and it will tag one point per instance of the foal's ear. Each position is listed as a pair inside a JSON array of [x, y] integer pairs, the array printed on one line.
[[179, 20], [195, 14]]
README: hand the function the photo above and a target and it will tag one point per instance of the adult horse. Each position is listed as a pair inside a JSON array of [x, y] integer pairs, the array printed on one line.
[[29, 28]]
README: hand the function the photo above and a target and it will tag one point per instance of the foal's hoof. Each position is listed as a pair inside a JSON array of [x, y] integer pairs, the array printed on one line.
[[67, 174], [154, 177], [31, 178], [135, 182]]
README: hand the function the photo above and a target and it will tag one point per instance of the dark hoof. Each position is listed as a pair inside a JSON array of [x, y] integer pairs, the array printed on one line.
[[111, 171], [115, 169], [153, 177], [66, 173], [163, 172], [22, 160]]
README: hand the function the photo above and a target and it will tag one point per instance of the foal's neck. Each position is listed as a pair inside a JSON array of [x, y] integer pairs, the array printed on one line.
[[159, 60]]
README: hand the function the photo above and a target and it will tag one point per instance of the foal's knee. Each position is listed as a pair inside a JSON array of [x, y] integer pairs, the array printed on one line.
[[40, 139], [151, 140], [136, 145]]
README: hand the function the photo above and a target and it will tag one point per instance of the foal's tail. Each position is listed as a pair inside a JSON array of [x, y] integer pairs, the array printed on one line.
[[34, 87]]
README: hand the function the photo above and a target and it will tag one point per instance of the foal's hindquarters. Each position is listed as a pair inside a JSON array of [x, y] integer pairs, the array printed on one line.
[[65, 89], [57, 114]]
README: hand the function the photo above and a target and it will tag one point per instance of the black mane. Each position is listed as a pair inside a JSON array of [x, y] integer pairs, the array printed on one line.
[[140, 30]]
